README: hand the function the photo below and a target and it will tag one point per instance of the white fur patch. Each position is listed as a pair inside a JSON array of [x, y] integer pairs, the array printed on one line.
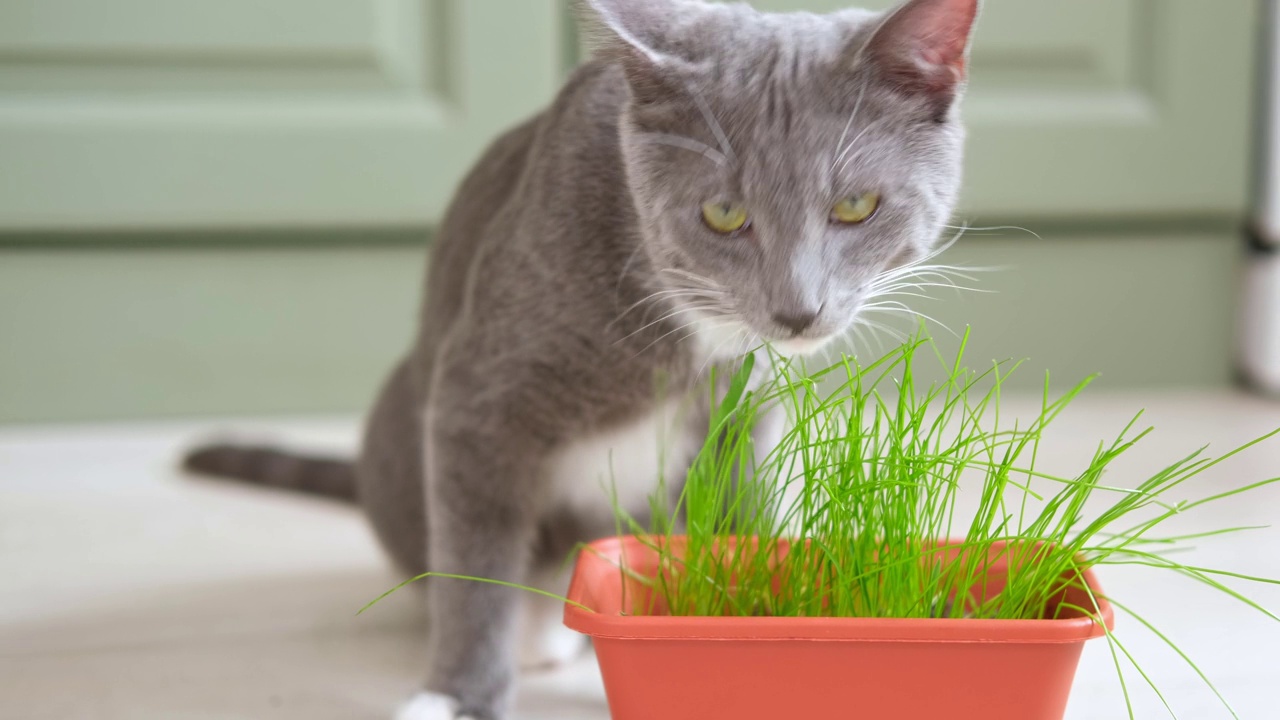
[[717, 339], [626, 460], [799, 346], [429, 706], [545, 642]]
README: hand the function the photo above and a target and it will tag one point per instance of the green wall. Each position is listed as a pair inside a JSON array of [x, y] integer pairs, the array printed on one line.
[[280, 324], [135, 332]]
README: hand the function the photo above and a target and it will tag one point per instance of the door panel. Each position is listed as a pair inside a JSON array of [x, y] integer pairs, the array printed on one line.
[[184, 113], [251, 113]]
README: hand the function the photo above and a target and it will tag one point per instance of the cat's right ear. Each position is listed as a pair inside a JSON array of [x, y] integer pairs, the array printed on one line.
[[922, 46], [632, 33]]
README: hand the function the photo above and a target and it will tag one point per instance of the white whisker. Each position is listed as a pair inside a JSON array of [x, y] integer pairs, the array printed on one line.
[[665, 335], [854, 144], [677, 311], [710, 284], [891, 331], [714, 125], [911, 313], [996, 228], [672, 295], [685, 143], [841, 148], [711, 356]]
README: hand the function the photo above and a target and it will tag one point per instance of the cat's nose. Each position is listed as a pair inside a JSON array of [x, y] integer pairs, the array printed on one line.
[[796, 321]]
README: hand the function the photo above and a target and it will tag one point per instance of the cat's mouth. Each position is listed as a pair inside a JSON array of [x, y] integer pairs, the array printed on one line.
[[722, 337], [800, 346]]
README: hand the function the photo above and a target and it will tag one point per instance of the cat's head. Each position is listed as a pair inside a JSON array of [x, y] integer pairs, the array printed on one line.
[[782, 164]]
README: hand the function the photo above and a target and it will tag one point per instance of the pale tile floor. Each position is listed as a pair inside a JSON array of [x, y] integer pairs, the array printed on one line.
[[129, 591]]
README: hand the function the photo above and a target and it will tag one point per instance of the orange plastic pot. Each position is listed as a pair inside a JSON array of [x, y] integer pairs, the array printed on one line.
[[764, 668]]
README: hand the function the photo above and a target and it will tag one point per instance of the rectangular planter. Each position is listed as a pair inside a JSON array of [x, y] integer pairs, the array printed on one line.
[[708, 668]]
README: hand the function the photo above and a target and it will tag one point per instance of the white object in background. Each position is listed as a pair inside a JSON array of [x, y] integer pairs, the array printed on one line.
[[1260, 324], [1260, 329], [1267, 218]]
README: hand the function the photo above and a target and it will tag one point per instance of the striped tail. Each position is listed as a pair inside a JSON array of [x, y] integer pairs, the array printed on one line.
[[268, 467]]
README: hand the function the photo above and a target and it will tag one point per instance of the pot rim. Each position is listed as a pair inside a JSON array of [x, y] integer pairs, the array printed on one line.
[[594, 562]]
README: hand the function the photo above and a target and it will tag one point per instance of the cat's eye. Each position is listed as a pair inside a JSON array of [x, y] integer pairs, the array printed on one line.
[[724, 218], [855, 209]]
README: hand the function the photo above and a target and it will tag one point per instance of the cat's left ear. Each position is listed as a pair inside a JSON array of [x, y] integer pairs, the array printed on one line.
[[633, 33], [923, 46]]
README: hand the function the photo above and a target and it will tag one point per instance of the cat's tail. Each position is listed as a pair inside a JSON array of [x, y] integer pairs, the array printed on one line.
[[328, 477]]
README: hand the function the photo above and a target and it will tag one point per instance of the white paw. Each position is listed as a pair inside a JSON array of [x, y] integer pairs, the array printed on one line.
[[430, 706], [550, 647], [545, 643]]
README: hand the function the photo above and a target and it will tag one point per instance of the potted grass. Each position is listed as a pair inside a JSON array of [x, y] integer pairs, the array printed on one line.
[[840, 575]]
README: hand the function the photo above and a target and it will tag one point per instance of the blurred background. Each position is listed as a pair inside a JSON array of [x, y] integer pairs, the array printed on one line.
[[224, 208]]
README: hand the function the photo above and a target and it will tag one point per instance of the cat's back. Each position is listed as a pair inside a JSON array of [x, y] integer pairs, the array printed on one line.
[[546, 160]]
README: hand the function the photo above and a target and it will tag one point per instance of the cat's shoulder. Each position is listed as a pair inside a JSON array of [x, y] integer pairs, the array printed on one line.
[[597, 86]]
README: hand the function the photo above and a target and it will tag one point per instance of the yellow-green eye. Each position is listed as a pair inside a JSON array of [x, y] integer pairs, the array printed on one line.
[[855, 209], [724, 218]]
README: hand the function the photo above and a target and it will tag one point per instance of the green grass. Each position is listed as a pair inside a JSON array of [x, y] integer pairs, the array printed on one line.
[[839, 519]]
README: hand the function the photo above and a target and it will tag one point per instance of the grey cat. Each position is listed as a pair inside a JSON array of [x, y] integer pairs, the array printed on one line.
[[715, 178]]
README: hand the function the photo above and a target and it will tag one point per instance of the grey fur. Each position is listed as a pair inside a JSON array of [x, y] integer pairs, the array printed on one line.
[[328, 477], [573, 275]]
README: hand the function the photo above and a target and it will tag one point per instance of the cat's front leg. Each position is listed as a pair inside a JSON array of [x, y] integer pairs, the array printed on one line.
[[482, 482]]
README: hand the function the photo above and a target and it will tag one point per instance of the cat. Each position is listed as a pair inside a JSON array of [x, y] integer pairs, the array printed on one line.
[[714, 178]]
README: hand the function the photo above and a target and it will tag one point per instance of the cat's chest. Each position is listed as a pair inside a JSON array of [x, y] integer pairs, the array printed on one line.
[[623, 463]]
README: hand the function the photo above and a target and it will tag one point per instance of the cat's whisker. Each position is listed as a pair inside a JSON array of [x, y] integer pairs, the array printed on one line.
[[626, 269], [710, 284], [710, 323], [681, 309], [665, 335], [916, 270], [955, 238], [827, 351], [665, 294], [841, 148], [672, 295], [996, 228], [714, 126], [904, 310], [906, 288], [898, 294], [890, 331], [853, 146], [883, 304], [857, 62], [866, 336], [927, 276], [685, 143], [857, 331], [711, 356], [923, 263], [669, 292], [710, 294], [750, 343]]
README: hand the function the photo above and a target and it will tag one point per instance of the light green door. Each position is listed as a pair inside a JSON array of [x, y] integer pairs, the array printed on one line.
[[1105, 107], [249, 113], [159, 114]]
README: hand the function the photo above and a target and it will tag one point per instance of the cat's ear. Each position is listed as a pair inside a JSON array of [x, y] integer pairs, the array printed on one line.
[[633, 33], [922, 46]]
